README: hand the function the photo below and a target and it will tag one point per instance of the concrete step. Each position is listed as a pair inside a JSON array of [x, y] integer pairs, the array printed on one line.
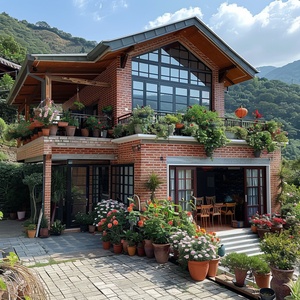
[[240, 240]]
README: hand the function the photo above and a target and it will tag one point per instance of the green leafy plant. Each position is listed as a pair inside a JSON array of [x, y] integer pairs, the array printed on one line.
[[282, 251], [67, 117], [82, 218], [295, 290], [44, 222], [93, 123], [259, 265], [118, 130], [57, 227], [31, 227], [153, 183], [3, 286], [210, 132], [132, 237], [235, 260], [108, 109]]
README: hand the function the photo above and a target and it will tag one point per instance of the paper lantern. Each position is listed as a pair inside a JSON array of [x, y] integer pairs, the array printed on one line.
[[241, 112]]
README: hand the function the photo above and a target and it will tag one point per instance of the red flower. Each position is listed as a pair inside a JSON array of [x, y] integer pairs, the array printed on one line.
[[140, 223], [129, 209], [115, 222], [170, 222], [109, 225]]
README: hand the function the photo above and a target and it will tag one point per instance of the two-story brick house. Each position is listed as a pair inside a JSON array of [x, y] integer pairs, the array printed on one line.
[[168, 68]]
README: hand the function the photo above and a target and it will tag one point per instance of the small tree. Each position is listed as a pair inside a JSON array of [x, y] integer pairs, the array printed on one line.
[[32, 181], [153, 183]]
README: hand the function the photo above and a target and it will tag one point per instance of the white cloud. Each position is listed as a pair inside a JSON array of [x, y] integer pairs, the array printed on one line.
[[99, 9], [272, 37], [168, 18]]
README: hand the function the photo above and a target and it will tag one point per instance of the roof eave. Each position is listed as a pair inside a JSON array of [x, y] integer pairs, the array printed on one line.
[[125, 42]]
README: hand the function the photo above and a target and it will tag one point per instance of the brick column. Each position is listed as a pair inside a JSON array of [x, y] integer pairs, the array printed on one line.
[[47, 186]]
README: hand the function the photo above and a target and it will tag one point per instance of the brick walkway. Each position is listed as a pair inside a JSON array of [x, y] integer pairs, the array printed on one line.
[[96, 274]]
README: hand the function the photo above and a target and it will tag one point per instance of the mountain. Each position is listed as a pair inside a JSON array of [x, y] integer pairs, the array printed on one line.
[[42, 38], [289, 73]]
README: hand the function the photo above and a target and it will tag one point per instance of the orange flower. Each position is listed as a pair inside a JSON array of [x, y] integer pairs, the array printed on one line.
[[144, 208], [115, 222], [109, 225], [170, 198], [189, 213], [131, 205], [140, 223], [129, 209]]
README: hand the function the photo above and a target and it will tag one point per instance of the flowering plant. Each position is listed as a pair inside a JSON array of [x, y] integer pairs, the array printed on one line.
[[105, 206], [278, 221], [177, 237], [93, 123], [200, 247], [115, 224], [261, 221]]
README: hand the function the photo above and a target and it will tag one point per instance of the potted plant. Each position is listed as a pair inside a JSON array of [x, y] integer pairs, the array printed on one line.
[[119, 130], [31, 230], [107, 110], [159, 235], [44, 231], [153, 183], [211, 132], [196, 251], [261, 271], [142, 118], [131, 237], [57, 228], [72, 122], [282, 252], [83, 220], [239, 264]]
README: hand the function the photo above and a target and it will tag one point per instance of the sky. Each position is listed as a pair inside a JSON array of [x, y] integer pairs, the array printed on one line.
[[263, 32]]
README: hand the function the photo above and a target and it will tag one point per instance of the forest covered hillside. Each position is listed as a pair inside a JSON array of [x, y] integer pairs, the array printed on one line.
[[42, 38]]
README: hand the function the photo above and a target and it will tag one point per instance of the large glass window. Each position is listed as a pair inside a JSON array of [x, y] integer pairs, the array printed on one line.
[[169, 79]]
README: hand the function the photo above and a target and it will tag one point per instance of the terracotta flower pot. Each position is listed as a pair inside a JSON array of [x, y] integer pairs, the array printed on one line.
[[149, 250], [240, 276], [213, 267], [106, 245], [262, 280], [131, 250], [279, 280], [161, 253], [118, 248], [198, 269]]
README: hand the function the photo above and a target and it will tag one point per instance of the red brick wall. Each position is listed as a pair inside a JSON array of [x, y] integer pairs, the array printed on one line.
[[148, 159]]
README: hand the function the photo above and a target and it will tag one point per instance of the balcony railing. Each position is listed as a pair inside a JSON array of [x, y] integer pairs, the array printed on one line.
[[228, 122]]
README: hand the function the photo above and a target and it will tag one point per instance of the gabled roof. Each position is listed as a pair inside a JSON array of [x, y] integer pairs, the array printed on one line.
[[8, 67], [86, 67]]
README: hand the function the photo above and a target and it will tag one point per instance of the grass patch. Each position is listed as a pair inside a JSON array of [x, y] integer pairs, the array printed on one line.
[[52, 261]]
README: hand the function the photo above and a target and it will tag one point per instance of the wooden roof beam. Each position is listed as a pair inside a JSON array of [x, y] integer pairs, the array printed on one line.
[[80, 81], [223, 73]]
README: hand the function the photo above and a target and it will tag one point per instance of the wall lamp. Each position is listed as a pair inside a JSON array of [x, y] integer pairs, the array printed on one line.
[[136, 148]]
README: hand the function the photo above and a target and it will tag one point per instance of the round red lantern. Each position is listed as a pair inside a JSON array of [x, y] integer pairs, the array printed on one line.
[[241, 112]]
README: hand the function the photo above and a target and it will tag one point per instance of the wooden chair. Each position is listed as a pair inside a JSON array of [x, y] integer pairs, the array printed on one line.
[[217, 211], [210, 200], [204, 214], [198, 202], [229, 211]]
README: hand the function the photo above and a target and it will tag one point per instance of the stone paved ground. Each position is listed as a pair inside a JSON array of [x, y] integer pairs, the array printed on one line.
[[86, 271]]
